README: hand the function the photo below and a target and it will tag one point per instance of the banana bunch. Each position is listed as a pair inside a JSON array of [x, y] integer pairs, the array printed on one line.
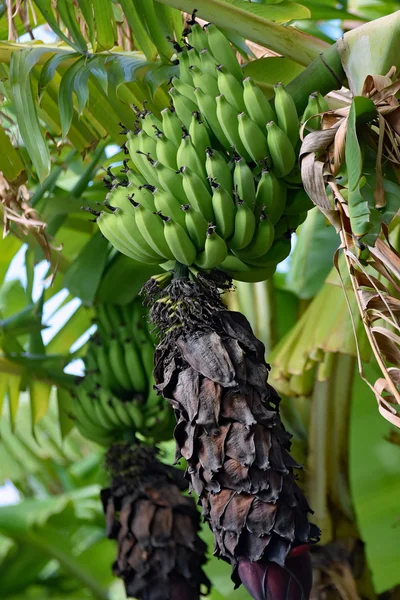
[[214, 182], [116, 398]]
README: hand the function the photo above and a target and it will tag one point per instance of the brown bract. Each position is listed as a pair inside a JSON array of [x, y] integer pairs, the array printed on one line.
[[230, 433], [160, 554]]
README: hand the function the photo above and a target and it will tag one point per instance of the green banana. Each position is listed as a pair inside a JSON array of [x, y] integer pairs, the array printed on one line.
[[279, 250], [215, 251], [199, 135], [120, 411], [271, 194], [230, 87], [197, 193], [134, 145], [208, 109], [245, 225], [104, 322], [203, 80], [252, 275], [108, 228], [208, 63], [309, 118], [253, 139], [187, 156], [135, 414], [223, 51], [183, 106], [106, 371], [261, 242], [224, 211], [281, 150], [151, 227], [114, 318], [169, 206], [228, 118], [243, 181], [179, 242], [146, 154], [150, 123], [194, 58], [166, 151], [196, 226], [184, 64], [217, 168], [142, 195], [171, 181], [197, 36], [104, 398], [171, 126], [134, 366], [185, 89], [257, 106], [89, 429], [286, 113], [117, 362], [141, 336], [99, 415]]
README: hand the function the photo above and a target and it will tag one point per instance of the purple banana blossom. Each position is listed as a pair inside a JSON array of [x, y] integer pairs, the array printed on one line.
[[266, 580]]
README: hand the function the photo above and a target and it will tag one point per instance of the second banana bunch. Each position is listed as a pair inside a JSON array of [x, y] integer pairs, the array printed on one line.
[[214, 183], [116, 399]]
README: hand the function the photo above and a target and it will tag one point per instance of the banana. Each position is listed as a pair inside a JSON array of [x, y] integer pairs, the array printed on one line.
[[184, 64], [179, 242], [106, 371], [227, 117], [117, 362], [199, 135], [261, 242], [89, 429], [144, 196], [298, 202], [133, 145], [105, 398], [187, 156], [197, 193], [100, 416], [122, 414], [217, 168], [111, 233], [171, 181], [281, 228], [169, 206], [279, 250], [104, 322], [142, 338], [271, 194], [151, 227], [281, 150], [253, 139], [256, 104], [286, 113], [134, 365], [185, 89], [208, 63], [135, 414], [243, 181], [196, 226], [197, 37], [183, 106], [208, 109], [230, 87], [171, 126], [203, 80], [150, 123], [165, 151], [224, 211], [146, 154], [114, 318], [253, 274], [223, 51], [309, 118], [215, 251], [135, 178], [245, 225], [194, 58]]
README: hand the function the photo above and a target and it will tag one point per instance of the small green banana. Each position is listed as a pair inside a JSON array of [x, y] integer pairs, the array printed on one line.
[[171, 126], [142, 195], [243, 181], [197, 193], [281, 150], [224, 211], [257, 106], [196, 226], [253, 139], [194, 58], [150, 123], [134, 366], [187, 156], [261, 242], [183, 106], [309, 118], [208, 63], [245, 225], [279, 250], [169, 206], [199, 135], [117, 362], [179, 242], [166, 151], [228, 118], [184, 64], [203, 80], [185, 89], [286, 113], [271, 194], [230, 87], [171, 181], [197, 36], [215, 251], [223, 51], [152, 229], [217, 168], [208, 109]]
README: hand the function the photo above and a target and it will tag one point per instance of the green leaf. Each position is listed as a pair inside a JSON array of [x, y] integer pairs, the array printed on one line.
[[308, 265], [39, 393], [104, 23], [49, 69], [269, 71], [65, 101], [83, 276], [10, 162], [65, 8], [65, 404], [138, 29], [14, 386], [21, 65], [255, 22], [9, 246], [354, 160]]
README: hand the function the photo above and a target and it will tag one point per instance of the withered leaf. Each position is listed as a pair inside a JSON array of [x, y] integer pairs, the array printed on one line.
[[261, 518], [235, 408], [237, 327], [161, 527], [235, 515], [252, 545], [206, 353], [211, 450], [284, 522], [218, 504], [262, 441], [187, 392], [209, 405], [143, 513], [239, 444], [234, 476]]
